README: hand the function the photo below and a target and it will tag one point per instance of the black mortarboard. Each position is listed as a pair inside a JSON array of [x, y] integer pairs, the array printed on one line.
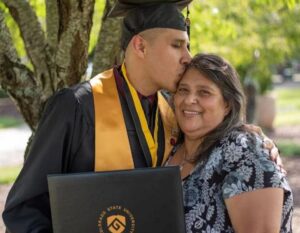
[[140, 15]]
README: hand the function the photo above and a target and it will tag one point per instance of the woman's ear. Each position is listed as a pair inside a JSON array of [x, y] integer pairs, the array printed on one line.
[[227, 108], [139, 45]]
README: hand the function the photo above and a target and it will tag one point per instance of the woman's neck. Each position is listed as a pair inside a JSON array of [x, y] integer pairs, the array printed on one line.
[[191, 147]]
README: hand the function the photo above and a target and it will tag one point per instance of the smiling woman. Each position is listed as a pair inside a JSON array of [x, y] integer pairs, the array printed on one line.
[[200, 104], [227, 175]]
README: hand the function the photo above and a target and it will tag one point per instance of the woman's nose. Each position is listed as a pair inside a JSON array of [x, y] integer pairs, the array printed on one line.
[[191, 99]]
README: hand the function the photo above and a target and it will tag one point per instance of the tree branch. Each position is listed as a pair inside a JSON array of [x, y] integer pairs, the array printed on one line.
[[16, 79], [52, 23], [75, 22], [6, 46], [107, 51], [34, 40]]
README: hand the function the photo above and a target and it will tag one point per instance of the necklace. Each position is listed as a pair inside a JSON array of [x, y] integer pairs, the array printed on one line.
[[184, 161], [181, 165]]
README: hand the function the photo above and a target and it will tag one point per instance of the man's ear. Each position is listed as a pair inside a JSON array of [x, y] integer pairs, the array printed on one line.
[[139, 45]]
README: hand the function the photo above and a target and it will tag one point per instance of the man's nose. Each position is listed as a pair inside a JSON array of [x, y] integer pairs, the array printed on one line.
[[186, 58]]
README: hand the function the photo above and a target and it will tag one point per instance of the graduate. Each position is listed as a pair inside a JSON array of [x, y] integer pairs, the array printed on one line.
[[117, 120]]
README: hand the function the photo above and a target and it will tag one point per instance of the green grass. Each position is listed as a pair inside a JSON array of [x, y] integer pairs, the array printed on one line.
[[288, 148], [9, 174], [287, 114], [6, 122], [288, 107], [3, 94]]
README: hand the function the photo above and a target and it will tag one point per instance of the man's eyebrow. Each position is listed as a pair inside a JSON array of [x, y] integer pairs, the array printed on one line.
[[181, 41]]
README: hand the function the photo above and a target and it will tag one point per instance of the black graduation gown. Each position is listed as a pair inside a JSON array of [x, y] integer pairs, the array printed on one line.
[[64, 143]]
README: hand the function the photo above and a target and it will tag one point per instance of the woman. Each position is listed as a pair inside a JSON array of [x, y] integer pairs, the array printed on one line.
[[229, 183]]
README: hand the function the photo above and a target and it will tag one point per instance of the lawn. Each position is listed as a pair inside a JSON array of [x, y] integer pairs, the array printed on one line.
[[288, 148], [6, 122], [288, 114], [9, 174], [288, 106]]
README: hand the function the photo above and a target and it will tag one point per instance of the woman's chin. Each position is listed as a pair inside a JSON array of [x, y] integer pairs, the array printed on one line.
[[193, 134]]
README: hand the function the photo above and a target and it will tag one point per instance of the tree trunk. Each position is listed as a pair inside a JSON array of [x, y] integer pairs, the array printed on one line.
[[107, 51], [59, 60], [58, 55], [18, 80]]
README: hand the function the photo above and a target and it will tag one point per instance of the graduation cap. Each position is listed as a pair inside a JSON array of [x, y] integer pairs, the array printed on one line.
[[140, 15]]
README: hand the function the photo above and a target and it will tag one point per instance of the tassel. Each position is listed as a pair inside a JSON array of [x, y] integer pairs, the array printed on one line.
[[188, 24]]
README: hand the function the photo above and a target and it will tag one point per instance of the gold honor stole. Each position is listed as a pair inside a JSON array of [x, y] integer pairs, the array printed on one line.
[[112, 148]]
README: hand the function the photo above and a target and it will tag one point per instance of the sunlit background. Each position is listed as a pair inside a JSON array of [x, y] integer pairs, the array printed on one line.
[[261, 38]]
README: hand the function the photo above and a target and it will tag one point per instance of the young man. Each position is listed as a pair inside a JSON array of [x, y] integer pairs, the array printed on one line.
[[115, 121]]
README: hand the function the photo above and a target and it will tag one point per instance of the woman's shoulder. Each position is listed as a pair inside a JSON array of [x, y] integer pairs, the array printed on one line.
[[242, 138], [240, 135], [248, 166], [240, 144]]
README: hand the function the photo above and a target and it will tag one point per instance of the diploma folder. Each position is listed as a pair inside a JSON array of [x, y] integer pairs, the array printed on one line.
[[146, 200]]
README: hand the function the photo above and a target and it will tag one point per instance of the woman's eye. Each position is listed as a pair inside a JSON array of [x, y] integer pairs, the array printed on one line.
[[182, 90], [203, 93]]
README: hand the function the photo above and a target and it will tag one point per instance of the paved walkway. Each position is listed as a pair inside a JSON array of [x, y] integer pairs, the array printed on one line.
[[13, 142]]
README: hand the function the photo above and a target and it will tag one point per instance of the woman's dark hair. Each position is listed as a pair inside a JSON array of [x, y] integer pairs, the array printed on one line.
[[226, 78]]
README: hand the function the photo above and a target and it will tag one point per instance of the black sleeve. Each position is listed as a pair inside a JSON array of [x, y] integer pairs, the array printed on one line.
[[55, 143]]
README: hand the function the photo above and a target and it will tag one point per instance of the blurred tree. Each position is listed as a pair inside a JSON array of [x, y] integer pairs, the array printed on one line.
[[45, 48], [254, 35]]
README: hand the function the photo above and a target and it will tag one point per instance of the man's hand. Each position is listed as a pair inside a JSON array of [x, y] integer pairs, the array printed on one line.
[[268, 144], [274, 153]]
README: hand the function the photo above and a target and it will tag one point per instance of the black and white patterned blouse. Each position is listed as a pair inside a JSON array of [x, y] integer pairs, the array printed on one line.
[[237, 164]]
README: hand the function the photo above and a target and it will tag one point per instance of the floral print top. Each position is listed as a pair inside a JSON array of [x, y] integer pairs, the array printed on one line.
[[237, 164]]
